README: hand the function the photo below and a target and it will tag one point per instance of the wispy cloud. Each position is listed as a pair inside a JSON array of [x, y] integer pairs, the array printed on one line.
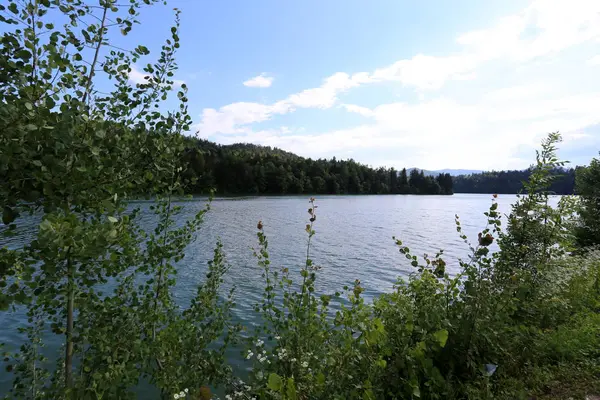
[[260, 81]]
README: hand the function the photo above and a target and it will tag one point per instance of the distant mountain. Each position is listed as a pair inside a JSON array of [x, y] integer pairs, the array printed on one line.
[[453, 172], [456, 172]]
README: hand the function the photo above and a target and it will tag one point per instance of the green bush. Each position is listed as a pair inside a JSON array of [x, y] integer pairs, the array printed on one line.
[[587, 185]]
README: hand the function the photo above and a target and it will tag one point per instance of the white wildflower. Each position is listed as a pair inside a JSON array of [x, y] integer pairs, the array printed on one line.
[[305, 364], [182, 394], [176, 396], [186, 390], [239, 394], [259, 343], [277, 337], [247, 387], [228, 397], [293, 360], [249, 356]]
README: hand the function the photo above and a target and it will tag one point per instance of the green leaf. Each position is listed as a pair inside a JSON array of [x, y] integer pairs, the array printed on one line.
[[274, 382], [321, 378], [416, 391], [23, 54], [112, 219], [50, 103], [291, 389], [45, 225], [9, 215], [441, 336]]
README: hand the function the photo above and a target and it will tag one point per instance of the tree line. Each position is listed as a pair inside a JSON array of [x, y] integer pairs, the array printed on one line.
[[510, 182], [252, 169]]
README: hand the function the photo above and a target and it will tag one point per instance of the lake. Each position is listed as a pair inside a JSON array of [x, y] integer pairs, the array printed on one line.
[[353, 241]]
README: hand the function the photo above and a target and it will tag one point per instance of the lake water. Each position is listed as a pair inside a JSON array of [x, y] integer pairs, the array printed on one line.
[[353, 241]]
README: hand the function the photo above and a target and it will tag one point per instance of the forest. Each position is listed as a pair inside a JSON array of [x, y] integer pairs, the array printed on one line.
[[510, 182], [252, 169]]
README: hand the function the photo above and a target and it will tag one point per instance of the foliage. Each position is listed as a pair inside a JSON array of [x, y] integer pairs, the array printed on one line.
[[251, 169], [72, 155], [537, 232], [588, 188]]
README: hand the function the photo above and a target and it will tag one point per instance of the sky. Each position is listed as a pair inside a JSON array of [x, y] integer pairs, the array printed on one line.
[[433, 84]]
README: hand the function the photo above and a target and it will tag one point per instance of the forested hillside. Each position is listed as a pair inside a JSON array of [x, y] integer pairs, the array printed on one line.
[[243, 168], [252, 169], [508, 182]]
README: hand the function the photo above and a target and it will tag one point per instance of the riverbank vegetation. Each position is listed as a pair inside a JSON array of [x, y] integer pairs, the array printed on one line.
[[521, 319]]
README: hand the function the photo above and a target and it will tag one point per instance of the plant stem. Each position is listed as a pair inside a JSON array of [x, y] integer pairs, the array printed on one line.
[[69, 330], [161, 269], [88, 83]]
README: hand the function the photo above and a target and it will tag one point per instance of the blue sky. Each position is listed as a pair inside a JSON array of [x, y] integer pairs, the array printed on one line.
[[434, 84]]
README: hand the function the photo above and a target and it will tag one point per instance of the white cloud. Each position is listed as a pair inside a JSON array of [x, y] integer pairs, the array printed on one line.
[[260, 81], [137, 76], [594, 60], [545, 27], [527, 90], [427, 72], [364, 111], [445, 129], [232, 117]]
